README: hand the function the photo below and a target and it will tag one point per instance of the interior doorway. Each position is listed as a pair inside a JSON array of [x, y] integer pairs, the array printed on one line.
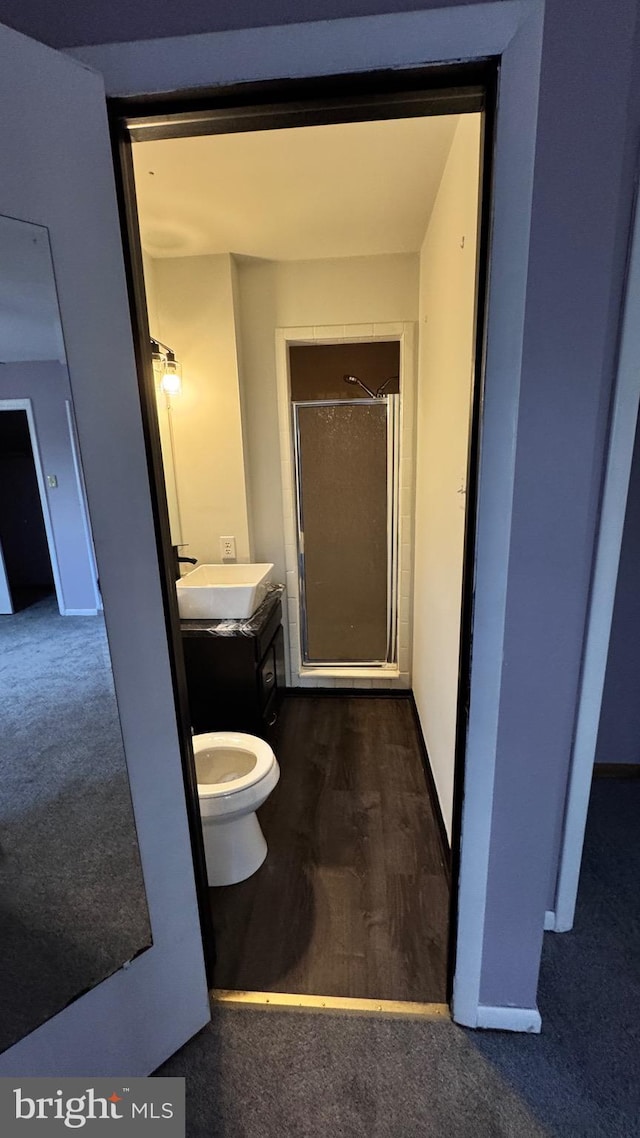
[[27, 563], [456, 633]]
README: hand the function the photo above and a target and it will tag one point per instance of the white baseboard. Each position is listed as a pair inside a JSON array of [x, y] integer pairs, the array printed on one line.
[[564, 923], [555, 922], [509, 1019], [80, 612]]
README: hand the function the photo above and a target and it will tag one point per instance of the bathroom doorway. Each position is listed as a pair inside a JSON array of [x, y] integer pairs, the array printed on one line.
[[26, 569], [344, 445]]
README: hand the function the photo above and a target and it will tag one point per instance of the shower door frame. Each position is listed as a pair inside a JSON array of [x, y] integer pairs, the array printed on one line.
[[391, 404], [390, 675]]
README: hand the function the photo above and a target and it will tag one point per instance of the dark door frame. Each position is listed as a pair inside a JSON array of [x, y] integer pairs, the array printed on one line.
[[361, 97]]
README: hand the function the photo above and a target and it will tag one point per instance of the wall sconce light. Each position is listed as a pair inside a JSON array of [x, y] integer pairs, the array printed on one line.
[[171, 381], [167, 368]]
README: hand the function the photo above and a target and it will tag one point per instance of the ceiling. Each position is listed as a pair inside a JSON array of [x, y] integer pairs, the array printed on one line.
[[76, 22], [344, 190]]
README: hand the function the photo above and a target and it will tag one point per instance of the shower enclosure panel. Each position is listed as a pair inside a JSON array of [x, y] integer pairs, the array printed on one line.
[[347, 489]]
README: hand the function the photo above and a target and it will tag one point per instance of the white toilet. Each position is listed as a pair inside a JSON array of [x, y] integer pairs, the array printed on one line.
[[236, 774]]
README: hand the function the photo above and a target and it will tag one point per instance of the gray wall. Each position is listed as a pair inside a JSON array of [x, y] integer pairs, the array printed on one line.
[[46, 383], [587, 142], [619, 731]]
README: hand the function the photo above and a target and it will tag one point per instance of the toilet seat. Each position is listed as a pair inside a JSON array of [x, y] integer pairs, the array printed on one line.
[[220, 741]]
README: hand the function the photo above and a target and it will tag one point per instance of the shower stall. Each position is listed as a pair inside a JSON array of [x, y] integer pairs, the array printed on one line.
[[346, 431], [347, 481]]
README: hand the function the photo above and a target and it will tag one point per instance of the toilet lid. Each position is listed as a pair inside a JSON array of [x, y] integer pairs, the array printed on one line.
[[229, 761]]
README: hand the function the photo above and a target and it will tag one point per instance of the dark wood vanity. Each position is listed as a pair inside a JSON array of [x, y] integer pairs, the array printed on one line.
[[235, 670]]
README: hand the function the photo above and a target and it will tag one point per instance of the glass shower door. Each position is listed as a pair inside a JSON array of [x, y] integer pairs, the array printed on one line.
[[346, 483]]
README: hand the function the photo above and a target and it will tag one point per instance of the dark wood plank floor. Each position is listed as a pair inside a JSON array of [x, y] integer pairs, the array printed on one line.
[[353, 897]]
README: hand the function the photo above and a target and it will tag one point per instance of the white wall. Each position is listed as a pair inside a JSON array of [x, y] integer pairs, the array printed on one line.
[[149, 268], [354, 291], [163, 406], [194, 313], [447, 297]]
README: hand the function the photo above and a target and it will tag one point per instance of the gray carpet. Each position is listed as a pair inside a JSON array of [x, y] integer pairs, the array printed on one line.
[[581, 1075], [72, 904], [265, 1073]]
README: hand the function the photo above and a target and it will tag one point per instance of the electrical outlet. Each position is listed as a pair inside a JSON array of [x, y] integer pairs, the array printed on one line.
[[228, 548]]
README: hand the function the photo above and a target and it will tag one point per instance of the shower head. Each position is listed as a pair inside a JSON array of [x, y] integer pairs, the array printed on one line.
[[379, 393], [354, 379]]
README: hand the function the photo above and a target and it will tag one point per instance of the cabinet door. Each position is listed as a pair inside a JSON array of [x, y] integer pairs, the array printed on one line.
[[268, 675], [272, 683], [57, 177]]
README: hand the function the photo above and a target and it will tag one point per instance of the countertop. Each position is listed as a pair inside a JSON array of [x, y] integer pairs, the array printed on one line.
[[253, 625]]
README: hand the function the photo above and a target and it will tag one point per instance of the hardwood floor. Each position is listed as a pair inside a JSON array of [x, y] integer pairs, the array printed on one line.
[[353, 897]]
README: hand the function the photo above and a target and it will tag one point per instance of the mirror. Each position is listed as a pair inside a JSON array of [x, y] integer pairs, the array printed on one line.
[[72, 901]]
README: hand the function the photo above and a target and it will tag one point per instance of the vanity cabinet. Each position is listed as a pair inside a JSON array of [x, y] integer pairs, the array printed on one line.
[[235, 671]]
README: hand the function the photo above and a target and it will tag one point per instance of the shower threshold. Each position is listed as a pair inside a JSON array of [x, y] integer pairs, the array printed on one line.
[[350, 671]]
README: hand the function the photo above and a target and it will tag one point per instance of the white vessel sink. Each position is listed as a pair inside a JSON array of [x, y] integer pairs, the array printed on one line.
[[222, 592]]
